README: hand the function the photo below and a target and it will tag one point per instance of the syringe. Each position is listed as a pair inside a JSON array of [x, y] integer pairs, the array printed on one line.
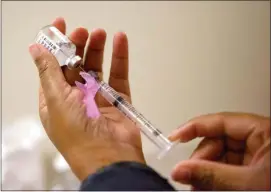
[[154, 134], [65, 52]]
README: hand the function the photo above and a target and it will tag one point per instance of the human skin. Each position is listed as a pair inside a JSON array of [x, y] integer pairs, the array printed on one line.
[[233, 155], [86, 143]]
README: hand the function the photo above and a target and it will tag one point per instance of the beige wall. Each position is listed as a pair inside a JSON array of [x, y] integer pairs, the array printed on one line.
[[187, 58]]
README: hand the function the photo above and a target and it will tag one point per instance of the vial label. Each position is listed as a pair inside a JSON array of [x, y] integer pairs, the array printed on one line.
[[63, 38], [47, 43]]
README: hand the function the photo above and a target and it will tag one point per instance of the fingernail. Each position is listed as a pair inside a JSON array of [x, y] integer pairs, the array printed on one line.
[[179, 134], [94, 29], [123, 33], [59, 18], [173, 134], [182, 175], [176, 134], [34, 51]]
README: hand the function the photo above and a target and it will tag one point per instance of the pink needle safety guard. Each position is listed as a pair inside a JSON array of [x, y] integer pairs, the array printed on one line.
[[89, 89]]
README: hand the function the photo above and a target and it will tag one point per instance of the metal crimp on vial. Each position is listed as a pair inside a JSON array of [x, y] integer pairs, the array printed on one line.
[[60, 46]]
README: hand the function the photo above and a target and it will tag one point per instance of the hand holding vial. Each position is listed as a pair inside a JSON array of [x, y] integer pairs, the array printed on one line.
[[233, 155], [81, 139], [65, 52]]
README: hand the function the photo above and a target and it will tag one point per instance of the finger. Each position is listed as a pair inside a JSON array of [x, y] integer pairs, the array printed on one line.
[[211, 175], [95, 51], [79, 37], [51, 76], [264, 151], [193, 188], [238, 126], [118, 78], [234, 158], [208, 149], [60, 24], [94, 58]]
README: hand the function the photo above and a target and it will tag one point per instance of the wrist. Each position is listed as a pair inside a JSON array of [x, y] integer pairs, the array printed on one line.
[[87, 160]]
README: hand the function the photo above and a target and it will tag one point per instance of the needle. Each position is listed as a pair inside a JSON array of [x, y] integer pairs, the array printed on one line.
[[80, 66]]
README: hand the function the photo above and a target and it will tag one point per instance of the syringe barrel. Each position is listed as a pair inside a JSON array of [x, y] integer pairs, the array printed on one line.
[[129, 111]]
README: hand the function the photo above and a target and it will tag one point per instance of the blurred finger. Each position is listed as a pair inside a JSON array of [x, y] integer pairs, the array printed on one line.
[[264, 151], [208, 149], [79, 37], [118, 78], [238, 126], [94, 59], [193, 188], [208, 175], [95, 51], [60, 24]]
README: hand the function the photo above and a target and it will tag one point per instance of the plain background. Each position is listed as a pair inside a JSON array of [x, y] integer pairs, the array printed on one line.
[[186, 58]]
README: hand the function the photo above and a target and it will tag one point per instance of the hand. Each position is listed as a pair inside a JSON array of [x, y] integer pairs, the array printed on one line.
[[86, 144], [234, 154]]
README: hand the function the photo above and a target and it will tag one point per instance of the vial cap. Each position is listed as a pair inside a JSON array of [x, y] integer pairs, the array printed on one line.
[[74, 62]]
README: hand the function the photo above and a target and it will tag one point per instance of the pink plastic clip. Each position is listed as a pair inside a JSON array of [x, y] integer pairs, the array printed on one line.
[[90, 89]]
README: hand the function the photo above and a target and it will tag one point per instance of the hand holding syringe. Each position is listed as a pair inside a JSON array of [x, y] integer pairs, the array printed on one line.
[[64, 51], [154, 134]]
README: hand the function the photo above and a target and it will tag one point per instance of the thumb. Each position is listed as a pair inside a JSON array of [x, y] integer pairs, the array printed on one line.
[[50, 73], [211, 175]]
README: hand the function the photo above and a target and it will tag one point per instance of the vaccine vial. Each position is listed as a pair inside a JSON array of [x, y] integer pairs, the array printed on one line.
[[60, 46]]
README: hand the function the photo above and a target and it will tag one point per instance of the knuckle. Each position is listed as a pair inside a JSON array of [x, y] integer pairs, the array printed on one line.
[[207, 180], [220, 118], [44, 62], [118, 76], [43, 67], [224, 113]]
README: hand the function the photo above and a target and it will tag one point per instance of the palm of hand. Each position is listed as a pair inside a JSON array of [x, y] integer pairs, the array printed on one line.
[[65, 112]]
